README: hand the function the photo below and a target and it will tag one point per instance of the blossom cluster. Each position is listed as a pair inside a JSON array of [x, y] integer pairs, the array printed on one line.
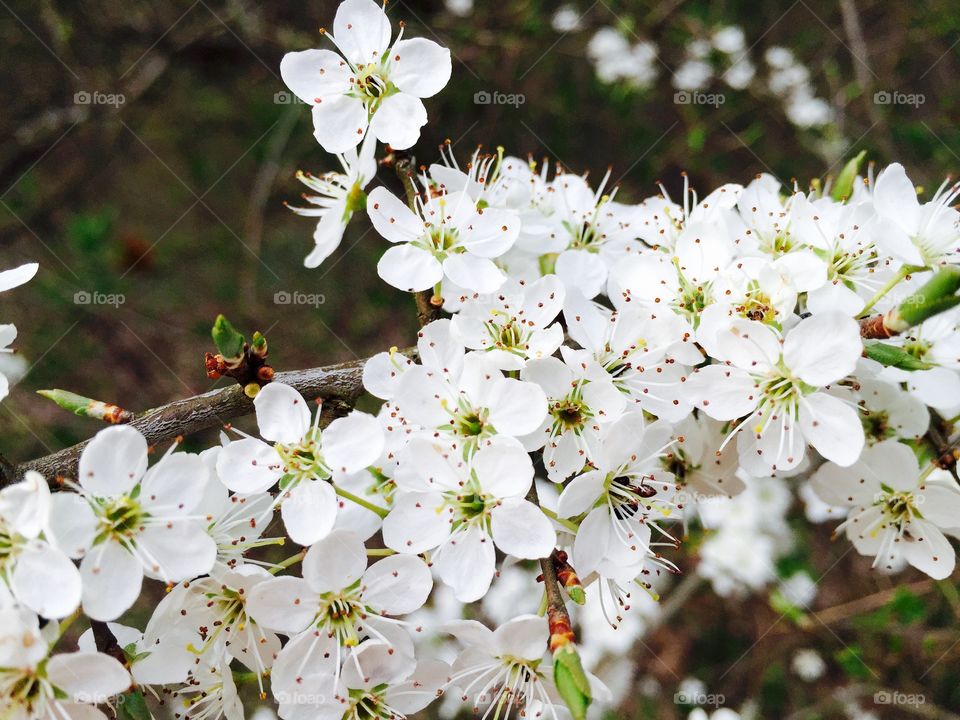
[[601, 376]]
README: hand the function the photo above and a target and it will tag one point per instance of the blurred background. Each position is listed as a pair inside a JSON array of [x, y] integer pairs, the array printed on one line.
[[147, 148]]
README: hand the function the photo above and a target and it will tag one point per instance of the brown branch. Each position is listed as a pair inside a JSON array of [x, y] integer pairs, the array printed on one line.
[[342, 384], [106, 642], [561, 629], [875, 328]]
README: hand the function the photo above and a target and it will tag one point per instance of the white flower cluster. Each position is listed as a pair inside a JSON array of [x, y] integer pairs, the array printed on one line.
[[610, 374]]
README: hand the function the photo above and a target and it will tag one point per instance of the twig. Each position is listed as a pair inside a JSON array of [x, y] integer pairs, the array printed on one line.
[[342, 383], [428, 304], [106, 642]]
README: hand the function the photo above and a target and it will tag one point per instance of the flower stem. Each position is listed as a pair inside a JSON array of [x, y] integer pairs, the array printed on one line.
[[380, 552], [382, 512], [283, 564], [568, 524], [904, 273]]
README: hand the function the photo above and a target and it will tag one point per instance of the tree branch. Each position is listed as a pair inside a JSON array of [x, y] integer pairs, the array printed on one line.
[[340, 383]]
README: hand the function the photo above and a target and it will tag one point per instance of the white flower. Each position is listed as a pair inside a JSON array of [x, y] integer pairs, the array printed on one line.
[[339, 195], [301, 459], [776, 386], [374, 84], [128, 521], [842, 234], [566, 19], [935, 341], [925, 235], [808, 664], [465, 507], [889, 411], [210, 692], [647, 354], [589, 231], [447, 236], [581, 398], [898, 512], [338, 602], [502, 668], [38, 686], [513, 325], [10, 279], [375, 684], [470, 404], [623, 499]]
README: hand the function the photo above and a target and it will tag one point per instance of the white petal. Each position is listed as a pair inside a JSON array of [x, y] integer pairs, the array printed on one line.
[[111, 581], [398, 120], [466, 563], [362, 31], [25, 506], [249, 466], [409, 268], [73, 524], [352, 443], [832, 427], [177, 550], [583, 271], [929, 551], [523, 637], [894, 196], [170, 486], [416, 524], [88, 677], [503, 470], [491, 232], [823, 348], [46, 581], [282, 414], [397, 585], [309, 511], [285, 604], [580, 494], [724, 393], [475, 273], [14, 277], [420, 67], [520, 529], [392, 218], [114, 461], [339, 123], [335, 563], [312, 74], [516, 407]]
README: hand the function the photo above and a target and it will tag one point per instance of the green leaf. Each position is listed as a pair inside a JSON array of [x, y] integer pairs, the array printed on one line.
[[893, 356], [937, 295], [133, 706], [571, 682], [843, 187], [228, 341]]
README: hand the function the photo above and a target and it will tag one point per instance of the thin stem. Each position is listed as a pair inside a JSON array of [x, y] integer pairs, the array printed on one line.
[[568, 524], [382, 512], [904, 273], [380, 552], [284, 564]]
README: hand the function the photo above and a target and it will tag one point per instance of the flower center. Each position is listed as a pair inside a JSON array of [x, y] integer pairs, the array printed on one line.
[[121, 518], [570, 413], [339, 614], [303, 460], [369, 705]]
